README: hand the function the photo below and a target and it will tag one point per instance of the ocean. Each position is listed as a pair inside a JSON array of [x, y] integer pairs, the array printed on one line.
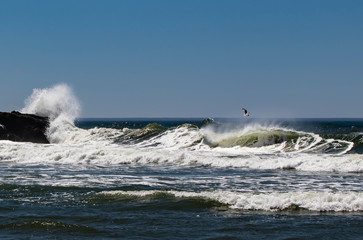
[[242, 178]]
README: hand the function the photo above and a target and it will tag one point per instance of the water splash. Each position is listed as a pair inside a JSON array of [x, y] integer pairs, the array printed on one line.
[[59, 104], [53, 102]]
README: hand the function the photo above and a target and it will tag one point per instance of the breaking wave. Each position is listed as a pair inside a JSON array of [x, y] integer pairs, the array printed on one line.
[[53, 102], [252, 145], [311, 201], [275, 139], [186, 145], [60, 105]]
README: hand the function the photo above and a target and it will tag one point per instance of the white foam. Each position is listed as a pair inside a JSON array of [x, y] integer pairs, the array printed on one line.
[[178, 138], [59, 104], [93, 147], [184, 145], [53, 102], [313, 201]]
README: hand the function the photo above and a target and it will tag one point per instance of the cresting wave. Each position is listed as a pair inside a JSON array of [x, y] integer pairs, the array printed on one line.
[[311, 201], [275, 139], [185, 146], [253, 145]]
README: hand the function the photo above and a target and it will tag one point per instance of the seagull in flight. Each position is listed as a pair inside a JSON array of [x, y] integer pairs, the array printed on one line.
[[245, 112]]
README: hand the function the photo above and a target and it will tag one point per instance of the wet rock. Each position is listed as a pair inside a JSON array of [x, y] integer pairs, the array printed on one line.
[[20, 127]]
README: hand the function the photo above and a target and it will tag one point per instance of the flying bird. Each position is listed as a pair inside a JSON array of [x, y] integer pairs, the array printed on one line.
[[245, 112]]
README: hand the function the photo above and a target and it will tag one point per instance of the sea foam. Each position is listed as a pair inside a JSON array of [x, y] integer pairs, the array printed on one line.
[[312, 201], [253, 146]]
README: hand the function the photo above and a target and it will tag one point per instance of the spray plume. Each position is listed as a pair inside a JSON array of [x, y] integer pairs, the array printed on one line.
[[59, 104]]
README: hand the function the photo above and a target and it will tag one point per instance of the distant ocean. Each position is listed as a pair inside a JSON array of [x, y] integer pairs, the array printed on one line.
[[241, 178]]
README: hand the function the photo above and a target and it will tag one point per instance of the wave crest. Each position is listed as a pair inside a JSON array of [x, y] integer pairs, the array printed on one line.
[[310, 201], [274, 139]]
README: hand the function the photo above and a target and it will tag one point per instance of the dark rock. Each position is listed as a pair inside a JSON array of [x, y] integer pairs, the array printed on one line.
[[20, 127]]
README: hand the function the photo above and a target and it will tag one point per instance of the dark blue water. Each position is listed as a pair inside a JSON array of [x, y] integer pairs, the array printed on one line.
[[51, 197], [43, 210]]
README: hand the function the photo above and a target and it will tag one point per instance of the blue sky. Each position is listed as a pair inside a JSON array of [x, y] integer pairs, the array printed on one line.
[[190, 58]]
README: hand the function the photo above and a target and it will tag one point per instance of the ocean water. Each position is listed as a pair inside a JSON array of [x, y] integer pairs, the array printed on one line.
[[242, 178]]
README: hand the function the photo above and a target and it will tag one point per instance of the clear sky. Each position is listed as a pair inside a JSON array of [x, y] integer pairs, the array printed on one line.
[[188, 58]]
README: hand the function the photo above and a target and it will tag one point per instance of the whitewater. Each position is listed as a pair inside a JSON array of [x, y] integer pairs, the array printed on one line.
[[252, 145], [218, 169]]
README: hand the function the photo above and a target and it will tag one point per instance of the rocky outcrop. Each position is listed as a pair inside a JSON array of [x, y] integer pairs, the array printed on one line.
[[20, 127]]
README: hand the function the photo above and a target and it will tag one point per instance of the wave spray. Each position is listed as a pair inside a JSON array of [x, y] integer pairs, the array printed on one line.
[[59, 104]]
